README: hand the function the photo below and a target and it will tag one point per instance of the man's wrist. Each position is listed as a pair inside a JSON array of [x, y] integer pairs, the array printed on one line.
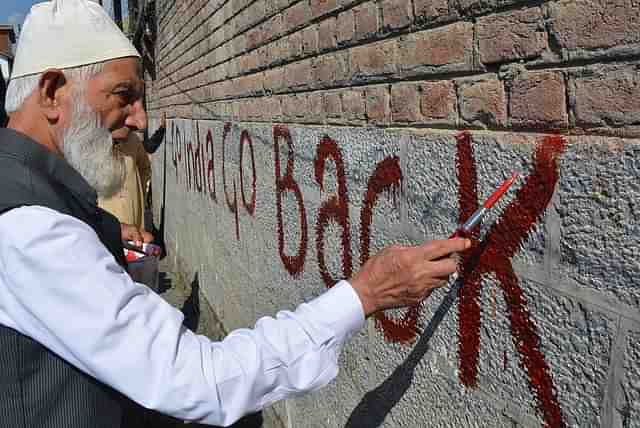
[[364, 294]]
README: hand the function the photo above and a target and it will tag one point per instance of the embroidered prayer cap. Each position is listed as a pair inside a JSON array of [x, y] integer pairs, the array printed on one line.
[[68, 33]]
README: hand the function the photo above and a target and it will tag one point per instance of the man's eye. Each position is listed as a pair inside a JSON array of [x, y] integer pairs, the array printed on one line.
[[124, 96]]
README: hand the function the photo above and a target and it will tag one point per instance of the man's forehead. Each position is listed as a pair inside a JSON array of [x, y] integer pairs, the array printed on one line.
[[123, 69]]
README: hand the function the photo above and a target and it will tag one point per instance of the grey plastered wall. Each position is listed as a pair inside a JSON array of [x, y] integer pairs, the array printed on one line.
[[578, 268]]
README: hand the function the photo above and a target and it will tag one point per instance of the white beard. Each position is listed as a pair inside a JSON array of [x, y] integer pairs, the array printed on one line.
[[88, 147]]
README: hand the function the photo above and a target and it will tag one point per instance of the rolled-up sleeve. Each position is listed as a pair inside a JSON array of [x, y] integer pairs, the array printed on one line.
[[61, 287]]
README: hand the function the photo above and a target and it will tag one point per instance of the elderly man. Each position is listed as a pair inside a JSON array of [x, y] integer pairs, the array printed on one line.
[[79, 340]]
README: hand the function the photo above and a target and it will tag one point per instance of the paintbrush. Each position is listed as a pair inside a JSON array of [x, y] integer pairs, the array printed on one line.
[[465, 230]]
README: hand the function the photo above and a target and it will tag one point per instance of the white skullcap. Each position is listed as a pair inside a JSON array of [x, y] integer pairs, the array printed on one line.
[[68, 33]]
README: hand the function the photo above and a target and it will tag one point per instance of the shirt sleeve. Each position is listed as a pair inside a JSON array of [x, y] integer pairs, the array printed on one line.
[[61, 287]]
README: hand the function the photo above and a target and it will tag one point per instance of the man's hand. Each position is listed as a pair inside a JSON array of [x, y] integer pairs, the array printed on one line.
[[131, 233], [163, 120], [403, 276]]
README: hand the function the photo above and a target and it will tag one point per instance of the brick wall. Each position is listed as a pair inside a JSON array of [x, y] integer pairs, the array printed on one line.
[[448, 97], [472, 64]]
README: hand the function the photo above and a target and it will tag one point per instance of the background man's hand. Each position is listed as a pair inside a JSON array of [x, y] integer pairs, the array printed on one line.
[[131, 233], [403, 276], [163, 120]]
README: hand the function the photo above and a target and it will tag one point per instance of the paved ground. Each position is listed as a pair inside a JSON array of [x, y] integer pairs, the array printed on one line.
[[200, 318]]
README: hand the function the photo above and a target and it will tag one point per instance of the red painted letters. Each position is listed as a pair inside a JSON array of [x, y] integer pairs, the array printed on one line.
[[336, 208], [501, 243], [294, 264]]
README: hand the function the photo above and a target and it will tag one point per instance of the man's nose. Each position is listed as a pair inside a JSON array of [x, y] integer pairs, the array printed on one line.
[[138, 117]]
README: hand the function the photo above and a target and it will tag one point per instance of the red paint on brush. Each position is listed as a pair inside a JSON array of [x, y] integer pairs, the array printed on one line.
[[387, 177], [250, 206], [501, 243], [294, 264], [336, 209], [501, 191]]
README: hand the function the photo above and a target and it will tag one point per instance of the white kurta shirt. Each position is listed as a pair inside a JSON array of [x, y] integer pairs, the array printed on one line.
[[60, 286]]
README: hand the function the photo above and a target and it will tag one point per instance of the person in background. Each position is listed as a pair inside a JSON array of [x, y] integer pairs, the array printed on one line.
[[80, 342], [128, 203]]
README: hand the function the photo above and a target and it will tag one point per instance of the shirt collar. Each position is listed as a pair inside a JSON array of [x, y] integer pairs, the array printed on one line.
[[40, 158]]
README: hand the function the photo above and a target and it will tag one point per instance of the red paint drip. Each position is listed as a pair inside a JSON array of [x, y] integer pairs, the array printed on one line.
[[250, 206], [336, 209], [387, 177], [294, 264], [502, 242]]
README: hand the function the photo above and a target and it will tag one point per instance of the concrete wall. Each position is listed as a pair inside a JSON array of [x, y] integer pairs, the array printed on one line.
[[306, 135]]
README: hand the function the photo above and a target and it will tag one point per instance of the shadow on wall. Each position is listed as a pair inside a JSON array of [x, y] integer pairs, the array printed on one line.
[[377, 404], [191, 311], [159, 232], [191, 307]]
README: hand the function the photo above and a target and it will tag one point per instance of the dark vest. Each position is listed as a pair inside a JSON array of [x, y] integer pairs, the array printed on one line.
[[38, 389]]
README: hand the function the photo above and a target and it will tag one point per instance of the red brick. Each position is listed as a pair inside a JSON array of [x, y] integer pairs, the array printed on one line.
[[275, 107], [322, 7], [592, 24], [295, 44], [279, 50], [438, 102], [316, 107], [538, 100], [327, 34], [332, 104], [299, 73], [366, 17], [248, 62], [484, 103], [297, 15], [353, 104], [396, 14], [405, 103], [330, 68], [264, 58], [291, 106], [431, 10], [272, 28], [451, 45], [510, 36], [608, 98], [378, 106], [374, 59], [346, 27], [274, 79], [310, 40], [239, 44], [326, 70]]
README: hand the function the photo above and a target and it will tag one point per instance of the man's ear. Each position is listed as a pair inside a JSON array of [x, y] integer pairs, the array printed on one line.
[[49, 87]]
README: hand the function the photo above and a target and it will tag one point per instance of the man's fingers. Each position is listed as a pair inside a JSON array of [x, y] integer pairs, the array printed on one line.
[[435, 250], [442, 268]]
